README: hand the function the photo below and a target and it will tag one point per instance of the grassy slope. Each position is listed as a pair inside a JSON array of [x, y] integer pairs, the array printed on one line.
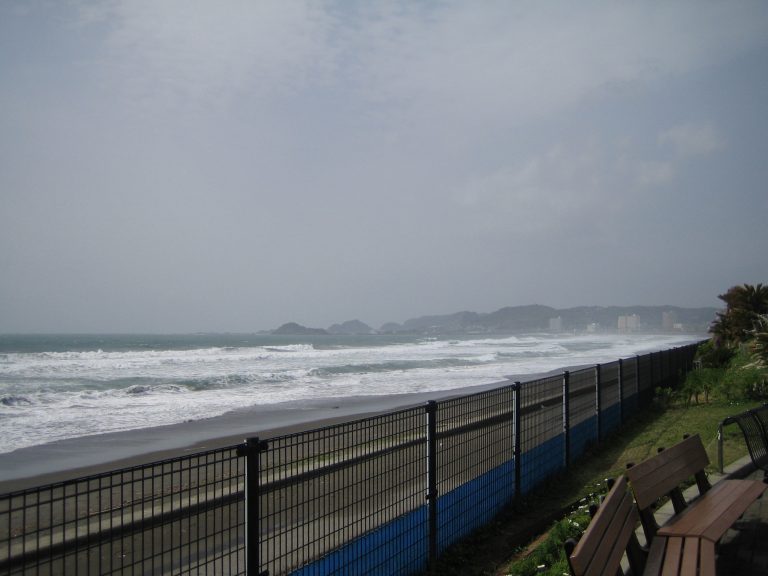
[[491, 550]]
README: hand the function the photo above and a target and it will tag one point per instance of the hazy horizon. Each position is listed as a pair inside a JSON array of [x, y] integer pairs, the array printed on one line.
[[374, 326], [184, 167]]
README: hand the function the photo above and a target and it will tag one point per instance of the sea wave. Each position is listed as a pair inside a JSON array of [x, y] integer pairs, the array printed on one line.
[[399, 366], [15, 401], [290, 348], [48, 396]]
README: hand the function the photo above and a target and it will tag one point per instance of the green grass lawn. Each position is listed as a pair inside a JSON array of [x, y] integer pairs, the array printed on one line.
[[502, 546]]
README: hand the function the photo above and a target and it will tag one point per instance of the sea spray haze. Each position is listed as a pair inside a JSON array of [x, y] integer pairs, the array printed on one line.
[[57, 387]]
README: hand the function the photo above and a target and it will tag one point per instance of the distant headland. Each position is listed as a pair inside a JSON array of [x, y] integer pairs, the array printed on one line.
[[532, 318], [294, 329]]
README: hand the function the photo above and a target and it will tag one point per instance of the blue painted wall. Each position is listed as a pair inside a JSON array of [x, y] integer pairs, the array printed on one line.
[[398, 547], [474, 504]]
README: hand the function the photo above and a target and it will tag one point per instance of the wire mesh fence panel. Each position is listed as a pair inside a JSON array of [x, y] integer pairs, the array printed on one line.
[[542, 441], [610, 397], [673, 371], [686, 358], [688, 354], [656, 370], [682, 360], [677, 364], [645, 379], [629, 386], [177, 516], [475, 455], [582, 409], [665, 367], [347, 499]]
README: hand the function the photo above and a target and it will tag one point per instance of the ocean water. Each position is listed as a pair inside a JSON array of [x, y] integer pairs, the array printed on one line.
[[66, 386]]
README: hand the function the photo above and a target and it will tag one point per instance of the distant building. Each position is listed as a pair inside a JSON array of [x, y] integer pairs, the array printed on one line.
[[629, 323], [668, 320], [556, 324]]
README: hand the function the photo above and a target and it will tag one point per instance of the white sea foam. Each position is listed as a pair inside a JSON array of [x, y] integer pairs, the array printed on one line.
[[47, 396]]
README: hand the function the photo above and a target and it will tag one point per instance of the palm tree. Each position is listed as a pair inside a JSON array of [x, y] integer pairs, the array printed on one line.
[[747, 297], [744, 305]]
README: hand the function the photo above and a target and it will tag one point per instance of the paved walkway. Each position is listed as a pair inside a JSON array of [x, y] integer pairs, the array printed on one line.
[[743, 550]]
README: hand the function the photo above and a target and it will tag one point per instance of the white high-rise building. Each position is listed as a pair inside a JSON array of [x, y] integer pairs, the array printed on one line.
[[629, 323]]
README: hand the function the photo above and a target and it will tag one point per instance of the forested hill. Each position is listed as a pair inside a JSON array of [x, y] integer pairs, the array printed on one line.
[[533, 318], [538, 317]]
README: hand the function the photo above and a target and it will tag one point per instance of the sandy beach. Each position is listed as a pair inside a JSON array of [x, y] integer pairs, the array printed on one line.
[[78, 457]]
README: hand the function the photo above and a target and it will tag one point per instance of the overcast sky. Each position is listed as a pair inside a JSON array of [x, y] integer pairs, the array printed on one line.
[[182, 165]]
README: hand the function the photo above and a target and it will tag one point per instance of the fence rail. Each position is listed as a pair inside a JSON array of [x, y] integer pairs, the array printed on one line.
[[380, 495]]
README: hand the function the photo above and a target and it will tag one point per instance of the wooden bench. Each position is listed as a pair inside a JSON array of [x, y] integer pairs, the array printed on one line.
[[609, 535], [686, 543], [612, 533]]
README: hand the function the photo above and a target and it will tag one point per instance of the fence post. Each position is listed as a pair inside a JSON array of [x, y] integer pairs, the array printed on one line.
[[598, 403], [431, 409], [567, 416], [621, 391], [251, 449], [720, 447], [638, 386], [517, 444]]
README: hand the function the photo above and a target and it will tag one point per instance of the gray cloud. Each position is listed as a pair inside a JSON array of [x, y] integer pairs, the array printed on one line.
[[231, 166]]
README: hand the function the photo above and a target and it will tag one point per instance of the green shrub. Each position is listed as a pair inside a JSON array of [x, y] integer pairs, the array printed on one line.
[[740, 379], [743, 379], [550, 554], [711, 356], [702, 381]]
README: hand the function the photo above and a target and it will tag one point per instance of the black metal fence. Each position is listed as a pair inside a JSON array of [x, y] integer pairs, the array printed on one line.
[[180, 515], [380, 495]]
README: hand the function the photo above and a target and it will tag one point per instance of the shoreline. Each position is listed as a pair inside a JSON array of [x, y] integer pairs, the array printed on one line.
[[71, 458], [88, 455], [74, 458]]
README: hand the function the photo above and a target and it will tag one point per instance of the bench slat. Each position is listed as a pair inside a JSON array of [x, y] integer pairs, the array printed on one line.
[[672, 557], [604, 560], [656, 556], [626, 532], [690, 562], [707, 558]]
